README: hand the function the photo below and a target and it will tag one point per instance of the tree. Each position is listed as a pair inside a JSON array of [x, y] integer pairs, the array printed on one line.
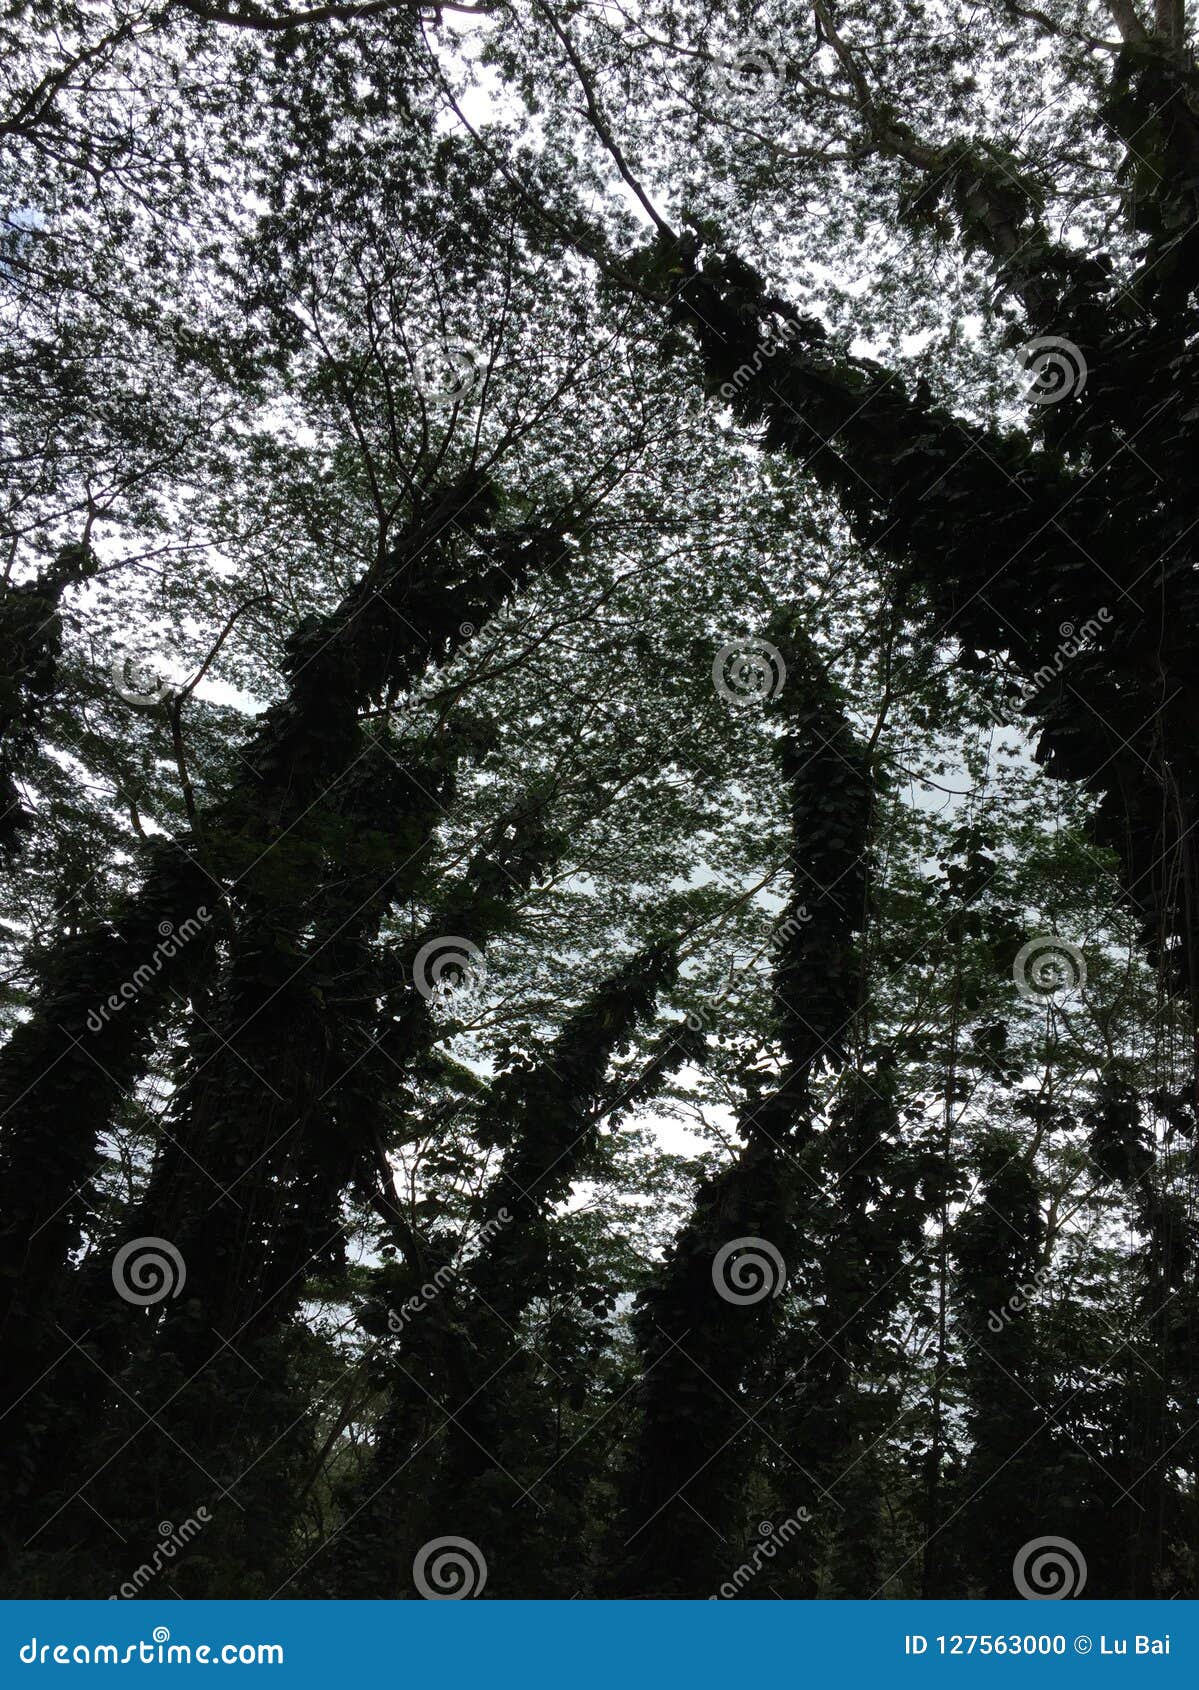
[[624, 991]]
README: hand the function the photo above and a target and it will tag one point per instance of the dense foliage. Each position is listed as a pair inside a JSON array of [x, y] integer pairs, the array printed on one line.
[[598, 786]]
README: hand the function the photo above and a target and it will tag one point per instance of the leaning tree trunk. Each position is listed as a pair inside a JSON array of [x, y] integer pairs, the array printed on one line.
[[66, 1068], [708, 1323], [472, 1350]]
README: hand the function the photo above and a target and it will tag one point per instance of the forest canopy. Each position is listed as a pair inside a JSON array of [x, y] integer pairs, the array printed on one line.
[[598, 784]]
